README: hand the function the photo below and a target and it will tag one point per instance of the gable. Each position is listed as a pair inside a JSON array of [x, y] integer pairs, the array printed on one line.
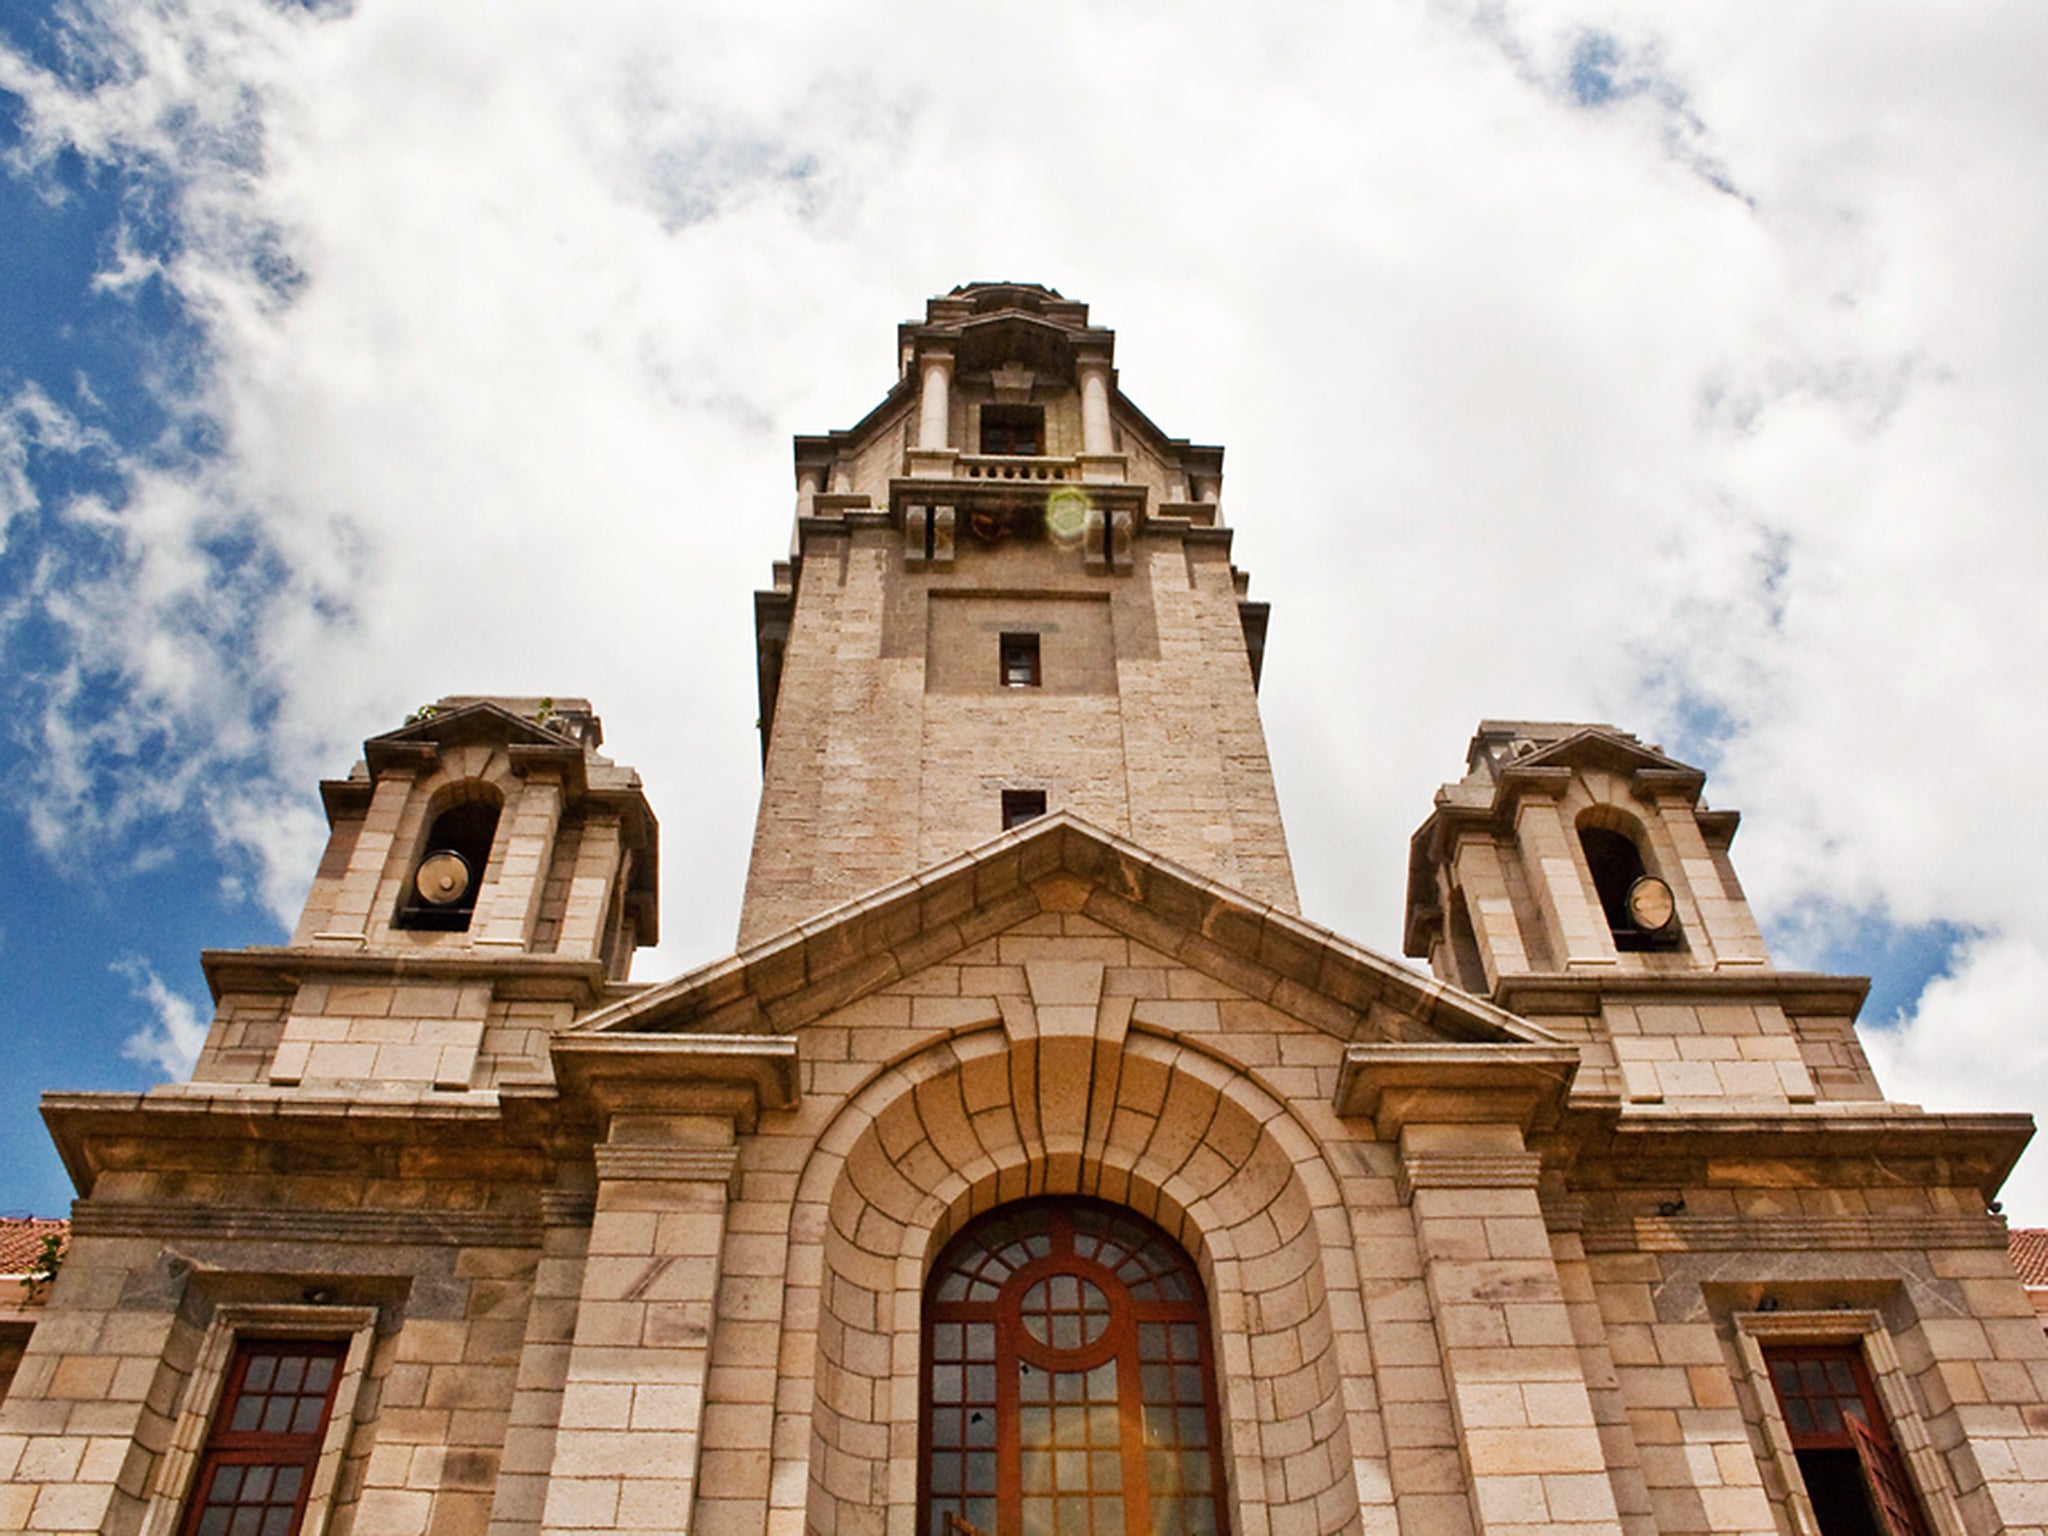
[[1059, 891]]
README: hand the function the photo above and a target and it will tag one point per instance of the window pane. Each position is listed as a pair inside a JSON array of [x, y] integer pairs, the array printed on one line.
[[264, 1439], [1094, 1266]]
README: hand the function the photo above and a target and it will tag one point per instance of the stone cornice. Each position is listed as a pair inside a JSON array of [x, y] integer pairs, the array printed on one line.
[[300, 1224], [1877, 1146], [284, 969], [1799, 1233], [734, 1075], [667, 1164], [232, 1128], [1807, 993], [1402, 1084]]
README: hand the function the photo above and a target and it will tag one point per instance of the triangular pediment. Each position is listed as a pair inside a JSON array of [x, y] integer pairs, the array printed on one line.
[[1061, 864], [476, 720], [1596, 746]]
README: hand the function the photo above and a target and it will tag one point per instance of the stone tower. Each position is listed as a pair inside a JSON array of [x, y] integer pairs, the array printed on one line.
[[1519, 890], [487, 874], [1010, 593], [1033, 1166]]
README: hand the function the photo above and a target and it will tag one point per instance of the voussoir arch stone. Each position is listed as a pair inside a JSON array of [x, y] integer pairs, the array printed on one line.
[[1160, 1125]]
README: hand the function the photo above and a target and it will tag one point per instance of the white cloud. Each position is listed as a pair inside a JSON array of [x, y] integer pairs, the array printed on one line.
[[1975, 1041], [1717, 399], [171, 1042], [31, 422]]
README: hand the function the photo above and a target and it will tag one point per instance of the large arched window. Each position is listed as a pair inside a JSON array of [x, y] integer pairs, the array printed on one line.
[[1068, 1387]]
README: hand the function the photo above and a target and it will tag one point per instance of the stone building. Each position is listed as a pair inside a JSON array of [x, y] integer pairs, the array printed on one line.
[[1033, 1165]]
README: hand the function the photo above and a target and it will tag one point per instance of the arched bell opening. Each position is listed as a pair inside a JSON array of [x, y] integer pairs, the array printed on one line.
[[1642, 915], [441, 890]]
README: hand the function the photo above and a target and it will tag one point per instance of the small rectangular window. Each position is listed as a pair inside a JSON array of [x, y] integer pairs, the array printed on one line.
[[1020, 661], [260, 1453], [1855, 1477], [1020, 806], [1013, 429]]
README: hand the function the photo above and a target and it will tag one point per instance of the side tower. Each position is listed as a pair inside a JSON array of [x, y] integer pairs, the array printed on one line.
[[1793, 1302], [1010, 593], [1574, 876], [487, 875]]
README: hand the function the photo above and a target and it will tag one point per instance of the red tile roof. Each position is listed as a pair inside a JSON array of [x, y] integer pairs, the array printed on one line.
[[21, 1240], [2029, 1249]]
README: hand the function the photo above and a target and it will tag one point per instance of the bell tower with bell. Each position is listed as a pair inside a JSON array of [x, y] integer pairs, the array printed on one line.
[[1575, 876], [487, 876]]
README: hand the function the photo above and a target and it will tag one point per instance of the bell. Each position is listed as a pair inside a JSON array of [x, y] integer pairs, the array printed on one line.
[[443, 878]]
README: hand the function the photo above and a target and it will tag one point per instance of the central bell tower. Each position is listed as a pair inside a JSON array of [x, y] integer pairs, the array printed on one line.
[[1009, 593]]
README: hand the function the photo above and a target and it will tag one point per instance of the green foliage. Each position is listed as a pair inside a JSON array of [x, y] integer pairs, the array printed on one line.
[[44, 1268]]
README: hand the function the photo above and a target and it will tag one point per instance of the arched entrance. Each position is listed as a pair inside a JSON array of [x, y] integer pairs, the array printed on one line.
[[1069, 1388]]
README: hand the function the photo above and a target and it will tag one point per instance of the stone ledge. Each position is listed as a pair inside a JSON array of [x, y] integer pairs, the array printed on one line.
[[1804, 993], [1724, 1234], [95, 1218], [1479, 1170], [284, 969], [1454, 1084]]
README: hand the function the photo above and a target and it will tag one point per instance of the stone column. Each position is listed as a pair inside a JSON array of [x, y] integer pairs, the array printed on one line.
[[809, 481], [1097, 435], [1579, 936], [630, 1435], [935, 405], [1524, 1417], [357, 898], [509, 903]]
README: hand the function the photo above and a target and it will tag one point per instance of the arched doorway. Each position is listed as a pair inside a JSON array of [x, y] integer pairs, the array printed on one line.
[[1068, 1384]]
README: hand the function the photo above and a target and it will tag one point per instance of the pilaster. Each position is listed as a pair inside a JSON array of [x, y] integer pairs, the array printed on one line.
[[528, 843], [1519, 1399], [1578, 928], [632, 1413], [371, 855], [1495, 930]]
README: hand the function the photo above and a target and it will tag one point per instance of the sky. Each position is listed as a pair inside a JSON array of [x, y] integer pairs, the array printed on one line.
[[1677, 366]]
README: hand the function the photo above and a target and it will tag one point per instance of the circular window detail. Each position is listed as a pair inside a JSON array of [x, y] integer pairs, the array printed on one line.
[[1065, 1312], [1068, 1381]]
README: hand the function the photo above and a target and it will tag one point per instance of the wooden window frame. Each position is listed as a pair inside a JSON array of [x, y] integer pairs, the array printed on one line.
[[177, 1469], [1118, 1339], [1756, 1332], [275, 1453]]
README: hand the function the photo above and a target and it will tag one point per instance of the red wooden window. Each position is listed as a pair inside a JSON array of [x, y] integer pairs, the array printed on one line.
[[258, 1464], [1068, 1386], [1855, 1477]]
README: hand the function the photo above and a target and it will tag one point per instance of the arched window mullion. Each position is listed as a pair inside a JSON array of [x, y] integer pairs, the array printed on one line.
[[1053, 1281]]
